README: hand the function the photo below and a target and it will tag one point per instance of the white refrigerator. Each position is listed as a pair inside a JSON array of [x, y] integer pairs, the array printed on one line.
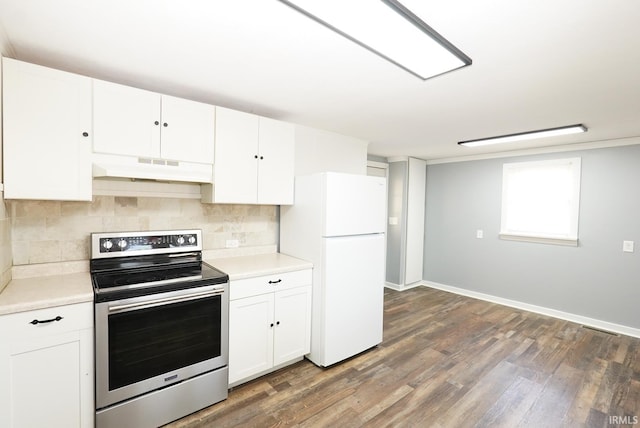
[[338, 222]]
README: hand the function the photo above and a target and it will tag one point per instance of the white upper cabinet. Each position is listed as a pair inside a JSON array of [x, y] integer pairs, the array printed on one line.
[[254, 160], [276, 162], [135, 122], [188, 130], [236, 169], [124, 120], [47, 133]]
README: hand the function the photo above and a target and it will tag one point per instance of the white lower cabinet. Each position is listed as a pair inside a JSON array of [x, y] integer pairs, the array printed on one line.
[[269, 323], [293, 317], [46, 368]]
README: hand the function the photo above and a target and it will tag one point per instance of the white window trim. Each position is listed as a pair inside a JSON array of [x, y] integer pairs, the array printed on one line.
[[568, 240]]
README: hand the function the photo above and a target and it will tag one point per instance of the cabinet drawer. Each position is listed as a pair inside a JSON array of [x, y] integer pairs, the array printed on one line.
[[72, 318], [269, 283]]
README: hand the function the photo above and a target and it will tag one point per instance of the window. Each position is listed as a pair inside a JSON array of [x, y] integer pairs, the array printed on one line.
[[540, 201]]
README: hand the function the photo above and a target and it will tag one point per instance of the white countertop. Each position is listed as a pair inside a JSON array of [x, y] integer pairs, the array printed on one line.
[[41, 292], [258, 265]]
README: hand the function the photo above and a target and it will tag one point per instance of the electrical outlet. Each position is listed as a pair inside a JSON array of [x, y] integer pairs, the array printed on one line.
[[627, 246], [479, 234], [232, 243]]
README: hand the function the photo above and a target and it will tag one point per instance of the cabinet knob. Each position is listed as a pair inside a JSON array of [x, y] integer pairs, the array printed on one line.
[[165, 124], [261, 157], [278, 323], [271, 324], [156, 123], [255, 157], [85, 134]]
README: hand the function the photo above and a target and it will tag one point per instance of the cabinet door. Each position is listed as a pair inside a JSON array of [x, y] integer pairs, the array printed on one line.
[[188, 130], [124, 120], [293, 324], [276, 166], [47, 133], [45, 382], [236, 149], [250, 336]]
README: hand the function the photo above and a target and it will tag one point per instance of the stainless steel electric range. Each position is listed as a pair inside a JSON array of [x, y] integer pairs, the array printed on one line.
[[161, 327]]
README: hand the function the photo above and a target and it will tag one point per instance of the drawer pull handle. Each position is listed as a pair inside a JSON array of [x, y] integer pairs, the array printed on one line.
[[34, 322], [275, 282]]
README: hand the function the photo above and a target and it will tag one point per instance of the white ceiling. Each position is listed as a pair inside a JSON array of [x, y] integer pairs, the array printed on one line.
[[536, 64]]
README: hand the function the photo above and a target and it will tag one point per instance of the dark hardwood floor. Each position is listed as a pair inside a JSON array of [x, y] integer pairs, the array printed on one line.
[[451, 361]]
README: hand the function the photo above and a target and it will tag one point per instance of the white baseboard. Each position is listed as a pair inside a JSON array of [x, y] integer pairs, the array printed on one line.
[[590, 322], [402, 287], [264, 372]]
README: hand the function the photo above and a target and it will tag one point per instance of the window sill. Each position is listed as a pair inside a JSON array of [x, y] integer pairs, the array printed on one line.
[[540, 240]]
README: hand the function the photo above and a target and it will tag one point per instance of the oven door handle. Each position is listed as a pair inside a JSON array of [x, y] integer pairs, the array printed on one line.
[[164, 301]]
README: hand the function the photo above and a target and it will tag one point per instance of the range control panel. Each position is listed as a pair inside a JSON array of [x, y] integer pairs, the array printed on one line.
[[106, 244]]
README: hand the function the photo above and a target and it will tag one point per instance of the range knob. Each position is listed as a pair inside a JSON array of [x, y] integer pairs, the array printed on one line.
[[107, 244], [192, 239], [180, 240], [122, 244]]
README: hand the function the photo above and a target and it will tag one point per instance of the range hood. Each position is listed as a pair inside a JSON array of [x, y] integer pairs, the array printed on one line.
[[116, 166]]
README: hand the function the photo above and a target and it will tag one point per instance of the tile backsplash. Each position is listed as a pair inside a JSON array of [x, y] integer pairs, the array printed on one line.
[[55, 231], [5, 244]]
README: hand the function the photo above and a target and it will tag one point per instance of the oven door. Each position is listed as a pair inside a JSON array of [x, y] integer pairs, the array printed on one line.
[[150, 342]]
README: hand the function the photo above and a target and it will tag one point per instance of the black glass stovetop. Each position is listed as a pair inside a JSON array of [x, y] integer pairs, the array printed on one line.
[[124, 277]]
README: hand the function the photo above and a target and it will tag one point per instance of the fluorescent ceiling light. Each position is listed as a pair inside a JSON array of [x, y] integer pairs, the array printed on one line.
[[388, 29], [531, 135]]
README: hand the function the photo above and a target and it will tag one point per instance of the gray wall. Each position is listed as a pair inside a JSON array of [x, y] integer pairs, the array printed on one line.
[[595, 279]]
